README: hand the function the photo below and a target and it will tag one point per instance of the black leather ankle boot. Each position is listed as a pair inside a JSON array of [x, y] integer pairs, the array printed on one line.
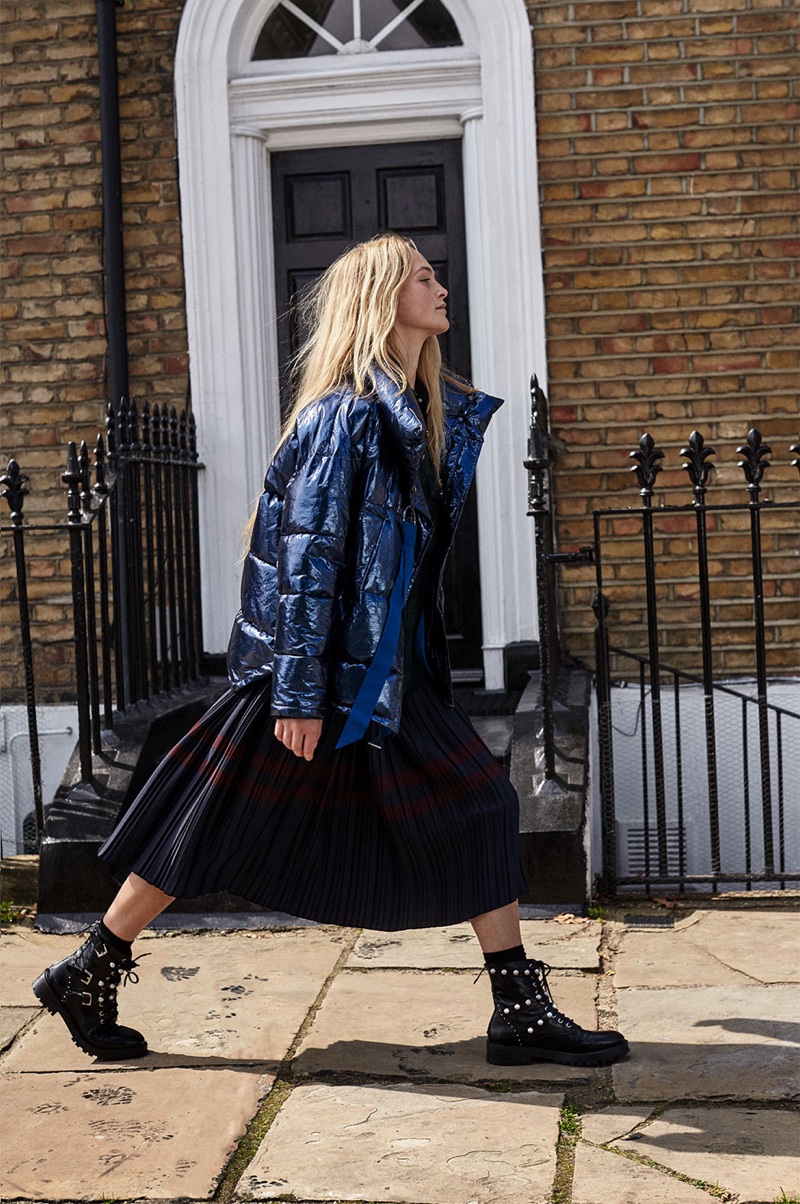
[[526, 1026], [82, 990]]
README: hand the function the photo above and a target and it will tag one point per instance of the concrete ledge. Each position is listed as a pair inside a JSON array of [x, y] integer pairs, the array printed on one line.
[[553, 812]]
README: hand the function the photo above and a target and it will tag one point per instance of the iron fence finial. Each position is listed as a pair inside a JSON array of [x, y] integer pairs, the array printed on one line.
[[698, 466], [72, 479], [14, 491], [755, 462], [647, 466], [100, 486]]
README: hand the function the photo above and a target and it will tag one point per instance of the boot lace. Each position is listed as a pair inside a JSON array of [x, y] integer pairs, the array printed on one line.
[[107, 999], [539, 972]]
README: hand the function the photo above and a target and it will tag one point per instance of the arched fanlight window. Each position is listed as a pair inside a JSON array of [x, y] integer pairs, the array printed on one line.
[[307, 28]]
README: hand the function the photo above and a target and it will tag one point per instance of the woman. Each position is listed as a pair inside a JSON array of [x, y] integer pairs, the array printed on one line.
[[337, 779]]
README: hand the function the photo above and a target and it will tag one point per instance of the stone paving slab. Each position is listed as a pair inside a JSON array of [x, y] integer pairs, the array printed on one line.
[[713, 949], [616, 1121], [408, 1145], [394, 1022], [670, 959], [122, 1134], [602, 1177], [228, 997], [764, 945], [12, 1021], [563, 946], [753, 1152], [23, 954], [709, 1043]]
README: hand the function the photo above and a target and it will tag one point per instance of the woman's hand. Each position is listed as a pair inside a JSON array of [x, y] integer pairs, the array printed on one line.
[[300, 736]]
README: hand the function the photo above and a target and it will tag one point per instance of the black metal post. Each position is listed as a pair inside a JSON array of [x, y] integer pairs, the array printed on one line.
[[646, 468], [89, 593], [194, 573], [748, 839], [116, 316], [72, 479], [604, 729], [160, 584], [136, 587], [14, 491], [781, 811], [116, 320], [698, 469], [644, 775], [116, 454], [539, 509], [101, 491], [754, 464], [146, 504], [169, 517], [676, 686], [179, 469]]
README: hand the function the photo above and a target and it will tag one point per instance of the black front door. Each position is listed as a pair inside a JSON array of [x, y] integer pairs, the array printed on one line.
[[324, 201]]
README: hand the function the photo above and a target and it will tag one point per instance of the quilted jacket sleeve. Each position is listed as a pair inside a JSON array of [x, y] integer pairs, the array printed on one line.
[[311, 556]]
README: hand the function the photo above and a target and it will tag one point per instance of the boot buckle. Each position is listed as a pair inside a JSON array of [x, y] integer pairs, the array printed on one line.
[[86, 998], [87, 979]]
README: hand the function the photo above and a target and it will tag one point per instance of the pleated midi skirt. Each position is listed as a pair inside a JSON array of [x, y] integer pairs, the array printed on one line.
[[412, 830]]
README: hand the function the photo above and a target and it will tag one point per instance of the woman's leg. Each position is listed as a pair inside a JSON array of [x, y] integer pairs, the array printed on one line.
[[82, 988], [526, 1025], [135, 905], [499, 929]]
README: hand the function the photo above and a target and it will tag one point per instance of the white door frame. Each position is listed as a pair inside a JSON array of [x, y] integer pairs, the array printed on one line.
[[230, 114]]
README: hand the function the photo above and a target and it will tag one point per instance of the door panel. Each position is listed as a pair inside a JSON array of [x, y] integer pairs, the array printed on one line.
[[326, 200]]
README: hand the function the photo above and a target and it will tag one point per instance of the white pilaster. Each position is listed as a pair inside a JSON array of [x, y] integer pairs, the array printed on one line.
[[491, 518], [255, 263], [226, 106]]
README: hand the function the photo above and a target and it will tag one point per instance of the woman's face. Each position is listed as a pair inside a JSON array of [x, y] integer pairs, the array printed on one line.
[[421, 308]]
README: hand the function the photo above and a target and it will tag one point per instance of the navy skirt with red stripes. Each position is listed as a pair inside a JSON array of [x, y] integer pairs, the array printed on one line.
[[411, 830]]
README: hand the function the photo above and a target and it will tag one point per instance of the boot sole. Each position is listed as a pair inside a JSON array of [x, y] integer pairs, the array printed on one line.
[[47, 996], [506, 1055]]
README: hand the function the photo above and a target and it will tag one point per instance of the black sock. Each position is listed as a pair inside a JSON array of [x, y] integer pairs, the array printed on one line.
[[116, 942], [515, 954]]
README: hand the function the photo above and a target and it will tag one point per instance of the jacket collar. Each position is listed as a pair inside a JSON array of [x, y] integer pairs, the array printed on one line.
[[403, 419]]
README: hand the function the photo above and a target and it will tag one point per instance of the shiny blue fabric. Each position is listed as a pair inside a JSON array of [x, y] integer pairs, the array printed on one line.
[[327, 541], [361, 711]]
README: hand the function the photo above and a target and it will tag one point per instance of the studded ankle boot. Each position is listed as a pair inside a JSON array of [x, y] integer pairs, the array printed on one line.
[[526, 1026], [82, 990]]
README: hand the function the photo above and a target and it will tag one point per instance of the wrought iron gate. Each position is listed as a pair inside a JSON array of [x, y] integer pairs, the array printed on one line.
[[717, 763], [698, 717], [132, 538]]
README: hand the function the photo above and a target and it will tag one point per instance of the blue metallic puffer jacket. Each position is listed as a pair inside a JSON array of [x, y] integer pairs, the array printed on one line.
[[327, 541]]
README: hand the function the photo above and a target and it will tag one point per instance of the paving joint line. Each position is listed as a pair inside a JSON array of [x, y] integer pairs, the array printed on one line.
[[282, 1087], [38, 1013], [716, 1190]]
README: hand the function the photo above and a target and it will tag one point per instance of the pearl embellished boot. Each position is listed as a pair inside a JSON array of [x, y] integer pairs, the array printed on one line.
[[82, 990], [526, 1026]]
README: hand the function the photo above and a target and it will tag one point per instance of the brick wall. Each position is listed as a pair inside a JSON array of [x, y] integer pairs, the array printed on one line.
[[668, 162], [54, 348], [669, 203]]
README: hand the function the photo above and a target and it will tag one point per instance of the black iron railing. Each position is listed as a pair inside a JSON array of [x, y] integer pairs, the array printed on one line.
[[750, 785], [662, 775], [760, 807], [540, 508], [133, 540]]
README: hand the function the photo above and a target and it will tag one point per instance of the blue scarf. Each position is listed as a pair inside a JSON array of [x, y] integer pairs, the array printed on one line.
[[375, 678]]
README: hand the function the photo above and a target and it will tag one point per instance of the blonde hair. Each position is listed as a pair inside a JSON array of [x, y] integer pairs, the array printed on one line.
[[350, 314]]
